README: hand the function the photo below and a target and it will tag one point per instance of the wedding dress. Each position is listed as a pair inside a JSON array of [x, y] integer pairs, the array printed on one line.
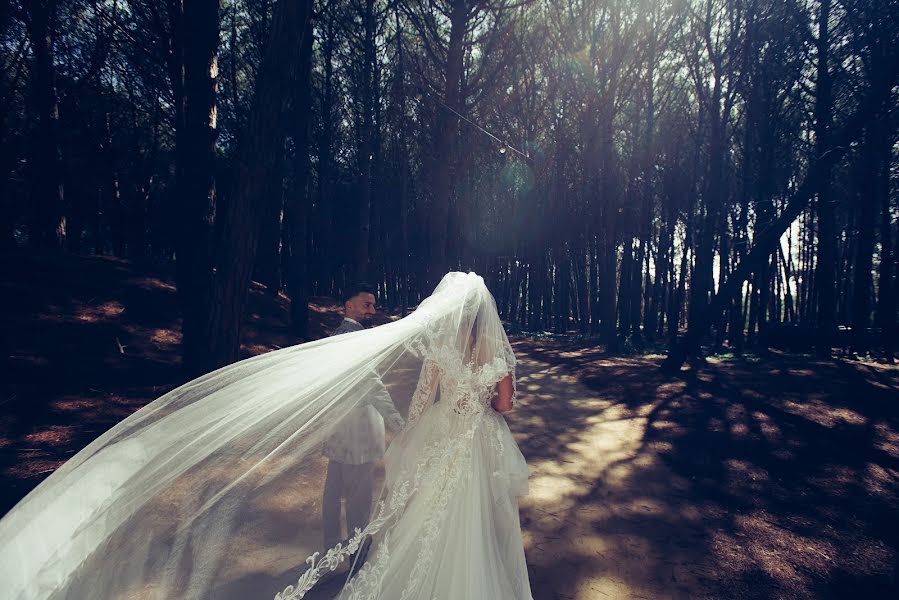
[[452, 481], [459, 535], [215, 489]]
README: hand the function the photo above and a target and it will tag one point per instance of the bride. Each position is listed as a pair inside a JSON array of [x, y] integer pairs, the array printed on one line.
[[214, 490]]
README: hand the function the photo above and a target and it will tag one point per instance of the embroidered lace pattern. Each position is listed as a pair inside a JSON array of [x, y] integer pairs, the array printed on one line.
[[424, 391], [468, 390]]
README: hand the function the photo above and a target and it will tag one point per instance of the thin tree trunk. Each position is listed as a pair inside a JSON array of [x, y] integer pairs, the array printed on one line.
[[326, 247], [112, 196], [267, 269], [825, 276], [401, 161], [789, 304], [361, 259], [700, 282], [674, 313], [583, 291], [595, 311], [298, 211], [867, 203], [886, 291], [9, 144], [626, 288]]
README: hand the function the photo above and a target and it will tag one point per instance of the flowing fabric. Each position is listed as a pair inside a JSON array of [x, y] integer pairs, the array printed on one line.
[[215, 489]]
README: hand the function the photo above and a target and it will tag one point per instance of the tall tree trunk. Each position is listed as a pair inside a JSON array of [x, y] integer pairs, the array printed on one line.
[[195, 27], [652, 316], [9, 144], [626, 287], [765, 209], [811, 265], [593, 288], [845, 265], [737, 325], [583, 293], [867, 203], [366, 149], [607, 192], [326, 248], [607, 271], [680, 294], [267, 269], [886, 298], [647, 216], [445, 135], [563, 287], [825, 275], [713, 198], [884, 138], [111, 204], [401, 160], [49, 226], [723, 264], [789, 302], [298, 210]]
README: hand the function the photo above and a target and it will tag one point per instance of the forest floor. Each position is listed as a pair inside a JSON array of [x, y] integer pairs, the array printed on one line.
[[772, 476]]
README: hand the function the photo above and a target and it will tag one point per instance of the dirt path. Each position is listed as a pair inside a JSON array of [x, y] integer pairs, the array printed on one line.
[[772, 479], [581, 479]]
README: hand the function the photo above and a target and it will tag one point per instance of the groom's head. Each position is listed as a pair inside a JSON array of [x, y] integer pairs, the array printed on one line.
[[359, 302]]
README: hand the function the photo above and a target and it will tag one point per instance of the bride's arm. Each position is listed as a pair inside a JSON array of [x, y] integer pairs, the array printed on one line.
[[503, 400]]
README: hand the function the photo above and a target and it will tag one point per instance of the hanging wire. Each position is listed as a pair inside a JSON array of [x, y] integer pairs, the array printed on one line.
[[505, 146]]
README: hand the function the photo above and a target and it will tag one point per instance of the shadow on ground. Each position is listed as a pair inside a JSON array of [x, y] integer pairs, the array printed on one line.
[[772, 478]]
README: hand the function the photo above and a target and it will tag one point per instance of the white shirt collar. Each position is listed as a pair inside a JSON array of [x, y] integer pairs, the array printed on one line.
[[353, 321]]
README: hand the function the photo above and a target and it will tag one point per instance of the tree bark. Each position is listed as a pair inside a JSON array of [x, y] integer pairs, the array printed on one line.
[[326, 248], [825, 275], [298, 210], [886, 298], [866, 202], [239, 215], [195, 32], [267, 269], [883, 140], [296, 215], [445, 135], [49, 227], [366, 147]]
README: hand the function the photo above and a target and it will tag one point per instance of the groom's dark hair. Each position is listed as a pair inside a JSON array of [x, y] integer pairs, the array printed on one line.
[[354, 289]]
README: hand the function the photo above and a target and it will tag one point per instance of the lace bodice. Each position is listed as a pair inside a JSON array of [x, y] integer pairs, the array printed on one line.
[[466, 388]]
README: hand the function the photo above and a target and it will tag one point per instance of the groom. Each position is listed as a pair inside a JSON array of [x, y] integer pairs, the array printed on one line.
[[357, 441]]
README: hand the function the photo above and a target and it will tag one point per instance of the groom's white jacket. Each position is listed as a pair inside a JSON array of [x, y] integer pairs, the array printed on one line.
[[359, 437]]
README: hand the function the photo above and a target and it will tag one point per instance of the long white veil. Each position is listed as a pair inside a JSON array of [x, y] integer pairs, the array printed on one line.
[[215, 489]]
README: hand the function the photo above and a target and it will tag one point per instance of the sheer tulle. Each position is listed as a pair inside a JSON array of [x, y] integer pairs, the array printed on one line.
[[215, 489], [459, 535]]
